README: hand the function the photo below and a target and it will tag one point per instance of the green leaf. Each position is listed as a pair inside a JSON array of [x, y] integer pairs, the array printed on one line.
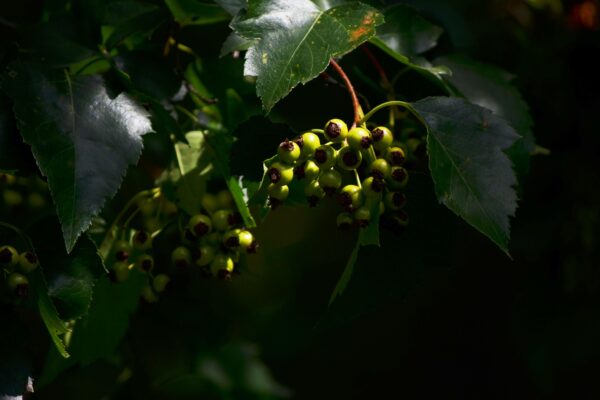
[[82, 138], [433, 73], [295, 41], [194, 165], [196, 12], [70, 278], [490, 87], [140, 24], [406, 32], [99, 333], [233, 7], [472, 175], [344, 280]]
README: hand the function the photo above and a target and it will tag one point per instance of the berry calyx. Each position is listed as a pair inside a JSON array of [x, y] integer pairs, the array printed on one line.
[[145, 263], [380, 169], [181, 257], [382, 138], [398, 177], [8, 257], [330, 181], [308, 143], [28, 262], [142, 240], [351, 197], [221, 220], [314, 192], [348, 158], [359, 138], [231, 239], [396, 155], [18, 284], [122, 250], [309, 170], [325, 156], [222, 266], [395, 200], [280, 174], [160, 282], [200, 225], [288, 151], [336, 130]]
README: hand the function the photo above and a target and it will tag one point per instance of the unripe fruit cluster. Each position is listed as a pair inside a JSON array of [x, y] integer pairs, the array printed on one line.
[[212, 241], [362, 168], [16, 266], [22, 196]]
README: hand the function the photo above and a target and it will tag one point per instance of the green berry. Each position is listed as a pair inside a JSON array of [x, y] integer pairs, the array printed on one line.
[[209, 202], [224, 200], [348, 158], [280, 174], [325, 156], [278, 192], [396, 155], [351, 197], [288, 151], [380, 168], [359, 138], [344, 221], [336, 130], [146, 206], [9, 257], [246, 240], [314, 192], [308, 143], [160, 282], [206, 255], [362, 216], [148, 294], [373, 187], [145, 263], [308, 169], [7, 179], [231, 239], [121, 271], [222, 266], [401, 217], [200, 225], [181, 256], [382, 138], [36, 200], [19, 284], [28, 262], [398, 177], [142, 240], [330, 181], [395, 200], [122, 250], [221, 220], [12, 198]]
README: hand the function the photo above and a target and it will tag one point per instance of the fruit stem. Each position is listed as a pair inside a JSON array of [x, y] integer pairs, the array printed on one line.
[[358, 112], [393, 103], [19, 232], [357, 176]]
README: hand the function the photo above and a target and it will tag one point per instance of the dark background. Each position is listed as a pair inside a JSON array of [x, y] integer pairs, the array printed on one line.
[[441, 311]]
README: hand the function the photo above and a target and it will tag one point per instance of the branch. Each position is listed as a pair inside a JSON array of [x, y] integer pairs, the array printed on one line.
[[358, 112]]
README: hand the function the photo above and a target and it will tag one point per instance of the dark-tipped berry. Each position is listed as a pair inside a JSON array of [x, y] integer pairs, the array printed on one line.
[[336, 130]]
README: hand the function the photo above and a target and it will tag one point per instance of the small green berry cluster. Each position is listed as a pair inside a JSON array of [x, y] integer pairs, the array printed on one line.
[[15, 266], [360, 167], [212, 240], [22, 195]]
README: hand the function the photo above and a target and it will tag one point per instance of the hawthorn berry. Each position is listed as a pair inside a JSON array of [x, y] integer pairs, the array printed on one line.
[[396, 155], [206, 254], [359, 138], [308, 169], [231, 239], [314, 192], [288, 151], [247, 240], [395, 200], [222, 266], [122, 250], [221, 220], [28, 261], [373, 187], [200, 225], [336, 130], [382, 138], [348, 158], [380, 168], [145, 263], [18, 284], [278, 192], [142, 240], [280, 174], [362, 216], [351, 197], [330, 181], [160, 282], [308, 143], [8, 257], [398, 177], [325, 156], [181, 256], [344, 221]]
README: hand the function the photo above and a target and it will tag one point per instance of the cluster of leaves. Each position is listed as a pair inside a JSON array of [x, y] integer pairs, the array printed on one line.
[[97, 92]]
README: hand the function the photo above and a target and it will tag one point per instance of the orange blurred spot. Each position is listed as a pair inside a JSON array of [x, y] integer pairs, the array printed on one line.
[[585, 15]]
